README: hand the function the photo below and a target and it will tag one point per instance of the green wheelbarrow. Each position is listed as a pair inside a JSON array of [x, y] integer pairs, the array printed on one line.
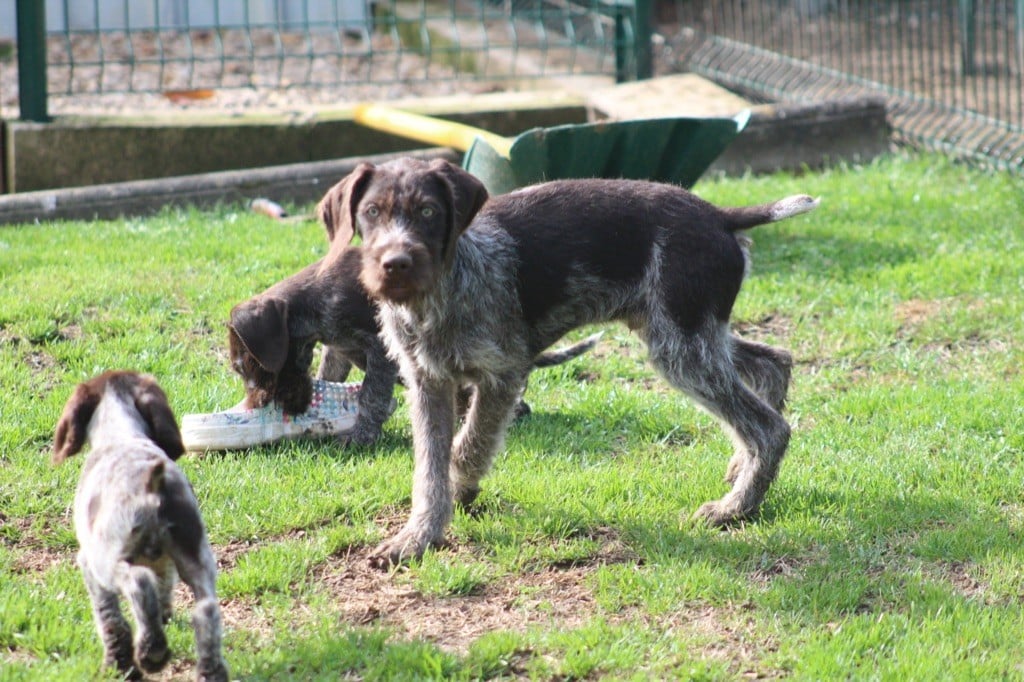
[[675, 150]]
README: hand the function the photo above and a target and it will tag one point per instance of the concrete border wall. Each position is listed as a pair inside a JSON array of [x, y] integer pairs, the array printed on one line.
[[297, 161]]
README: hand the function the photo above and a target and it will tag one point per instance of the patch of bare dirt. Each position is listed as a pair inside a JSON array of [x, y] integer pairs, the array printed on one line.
[[915, 312], [963, 580], [782, 567], [33, 555], [552, 595], [770, 326]]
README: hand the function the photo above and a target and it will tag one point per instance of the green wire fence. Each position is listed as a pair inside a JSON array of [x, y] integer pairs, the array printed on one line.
[[950, 70], [145, 46]]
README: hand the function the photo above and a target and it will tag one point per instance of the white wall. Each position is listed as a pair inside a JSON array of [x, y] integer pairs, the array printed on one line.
[[175, 14]]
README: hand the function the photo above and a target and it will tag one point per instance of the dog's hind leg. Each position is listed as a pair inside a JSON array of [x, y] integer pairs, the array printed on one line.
[[334, 366], [492, 407], [166, 582], [113, 629], [139, 586], [199, 573], [764, 369], [701, 366]]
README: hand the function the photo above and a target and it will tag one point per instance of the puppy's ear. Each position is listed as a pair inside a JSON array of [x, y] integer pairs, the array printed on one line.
[[261, 325], [152, 404], [72, 427], [337, 210], [468, 194]]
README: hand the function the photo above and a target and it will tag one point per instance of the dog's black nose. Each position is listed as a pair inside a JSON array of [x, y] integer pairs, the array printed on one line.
[[396, 263]]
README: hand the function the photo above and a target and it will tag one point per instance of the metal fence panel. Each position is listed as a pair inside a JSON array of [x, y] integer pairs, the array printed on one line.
[[951, 70], [156, 46]]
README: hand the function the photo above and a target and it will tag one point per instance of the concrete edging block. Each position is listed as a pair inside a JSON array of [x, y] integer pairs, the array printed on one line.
[[298, 183]]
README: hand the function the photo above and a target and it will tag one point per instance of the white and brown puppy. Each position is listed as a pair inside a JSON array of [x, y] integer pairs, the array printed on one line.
[[138, 523]]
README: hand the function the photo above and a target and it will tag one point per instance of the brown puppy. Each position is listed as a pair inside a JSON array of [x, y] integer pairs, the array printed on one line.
[[272, 336]]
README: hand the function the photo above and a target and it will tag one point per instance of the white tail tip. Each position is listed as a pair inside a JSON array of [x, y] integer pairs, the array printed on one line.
[[794, 205]]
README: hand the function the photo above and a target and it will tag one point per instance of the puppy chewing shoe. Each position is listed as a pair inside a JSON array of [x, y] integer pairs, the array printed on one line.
[[332, 411]]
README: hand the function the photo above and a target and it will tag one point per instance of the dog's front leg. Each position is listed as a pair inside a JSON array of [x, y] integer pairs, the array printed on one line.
[[374, 399], [482, 435], [334, 366], [432, 408]]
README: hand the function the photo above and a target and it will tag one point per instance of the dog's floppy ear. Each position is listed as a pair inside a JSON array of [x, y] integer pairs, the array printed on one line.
[[337, 210], [467, 196], [152, 404], [261, 325], [72, 427]]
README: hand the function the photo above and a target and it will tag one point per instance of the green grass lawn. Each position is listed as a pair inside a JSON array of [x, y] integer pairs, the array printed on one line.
[[891, 546]]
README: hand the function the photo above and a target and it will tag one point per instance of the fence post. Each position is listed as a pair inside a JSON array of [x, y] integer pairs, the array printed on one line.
[[32, 60], [967, 36], [625, 42], [643, 34], [1018, 19]]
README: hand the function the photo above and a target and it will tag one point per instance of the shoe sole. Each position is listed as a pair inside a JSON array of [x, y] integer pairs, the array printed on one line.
[[333, 411]]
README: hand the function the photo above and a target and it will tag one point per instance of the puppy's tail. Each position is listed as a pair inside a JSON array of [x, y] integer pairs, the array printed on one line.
[[557, 357], [746, 217]]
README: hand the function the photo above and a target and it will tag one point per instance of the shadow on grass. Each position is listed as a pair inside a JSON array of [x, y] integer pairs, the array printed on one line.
[[557, 434], [827, 257], [842, 554]]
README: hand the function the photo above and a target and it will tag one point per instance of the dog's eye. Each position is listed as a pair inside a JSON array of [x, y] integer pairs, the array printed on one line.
[[372, 211], [427, 211]]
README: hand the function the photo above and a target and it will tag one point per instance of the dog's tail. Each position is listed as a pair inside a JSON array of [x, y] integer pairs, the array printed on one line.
[[147, 539], [746, 217], [557, 357]]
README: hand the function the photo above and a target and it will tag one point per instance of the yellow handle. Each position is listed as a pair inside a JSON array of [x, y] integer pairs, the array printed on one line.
[[427, 128]]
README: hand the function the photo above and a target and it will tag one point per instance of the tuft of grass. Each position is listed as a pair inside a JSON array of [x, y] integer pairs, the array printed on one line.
[[889, 546]]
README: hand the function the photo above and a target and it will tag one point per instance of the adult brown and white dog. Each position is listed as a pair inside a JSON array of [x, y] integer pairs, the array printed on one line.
[[469, 290], [138, 523]]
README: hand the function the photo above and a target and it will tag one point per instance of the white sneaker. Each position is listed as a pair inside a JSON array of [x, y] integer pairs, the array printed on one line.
[[332, 411]]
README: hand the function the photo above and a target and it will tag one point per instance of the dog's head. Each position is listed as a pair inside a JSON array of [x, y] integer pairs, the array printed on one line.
[[130, 388], [262, 353], [409, 214]]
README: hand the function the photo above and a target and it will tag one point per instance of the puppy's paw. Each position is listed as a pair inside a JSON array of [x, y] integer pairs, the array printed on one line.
[[465, 497], [118, 652], [360, 436], [400, 549], [212, 671], [719, 514], [152, 654]]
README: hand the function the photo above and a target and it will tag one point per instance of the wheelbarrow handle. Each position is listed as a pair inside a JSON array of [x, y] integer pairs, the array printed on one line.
[[427, 128]]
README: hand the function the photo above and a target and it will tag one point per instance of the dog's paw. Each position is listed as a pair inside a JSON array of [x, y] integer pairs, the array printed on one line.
[[360, 436], [212, 672], [465, 497], [402, 548], [152, 654], [718, 514]]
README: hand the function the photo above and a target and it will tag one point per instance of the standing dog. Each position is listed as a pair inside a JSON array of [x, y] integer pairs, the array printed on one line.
[[473, 304], [271, 338], [138, 523]]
